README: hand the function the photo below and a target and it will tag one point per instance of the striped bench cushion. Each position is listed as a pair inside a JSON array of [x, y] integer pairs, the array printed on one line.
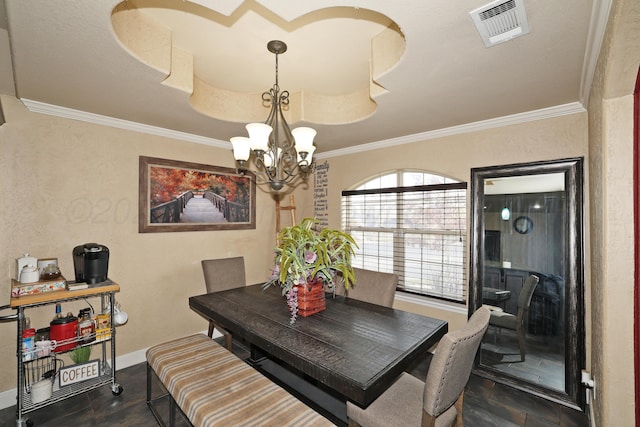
[[213, 387]]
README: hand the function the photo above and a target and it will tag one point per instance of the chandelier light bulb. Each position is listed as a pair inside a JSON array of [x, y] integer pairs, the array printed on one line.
[[269, 161], [241, 148], [308, 158], [304, 138], [259, 136]]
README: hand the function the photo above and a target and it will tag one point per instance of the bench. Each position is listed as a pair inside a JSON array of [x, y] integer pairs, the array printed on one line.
[[213, 387]]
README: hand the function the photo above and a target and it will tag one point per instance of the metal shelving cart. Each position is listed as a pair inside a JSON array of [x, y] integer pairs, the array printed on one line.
[[107, 376]]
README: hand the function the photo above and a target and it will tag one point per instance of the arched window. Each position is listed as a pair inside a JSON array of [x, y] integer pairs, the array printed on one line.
[[413, 224]]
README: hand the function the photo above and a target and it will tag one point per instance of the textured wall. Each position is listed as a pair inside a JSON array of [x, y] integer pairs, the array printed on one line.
[[454, 156], [611, 164], [65, 183]]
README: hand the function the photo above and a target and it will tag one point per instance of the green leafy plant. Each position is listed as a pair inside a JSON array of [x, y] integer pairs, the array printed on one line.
[[308, 256], [80, 354]]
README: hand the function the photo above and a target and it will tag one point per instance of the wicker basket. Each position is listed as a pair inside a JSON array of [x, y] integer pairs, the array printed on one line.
[[311, 299]]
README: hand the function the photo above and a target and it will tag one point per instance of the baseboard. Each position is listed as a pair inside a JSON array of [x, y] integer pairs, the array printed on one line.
[[9, 397], [592, 422]]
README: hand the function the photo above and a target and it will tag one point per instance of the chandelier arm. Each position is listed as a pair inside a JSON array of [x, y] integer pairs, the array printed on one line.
[[285, 126], [267, 171], [264, 175], [279, 163], [287, 155]]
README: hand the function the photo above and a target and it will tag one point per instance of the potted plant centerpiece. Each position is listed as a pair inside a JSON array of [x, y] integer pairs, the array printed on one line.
[[306, 260]]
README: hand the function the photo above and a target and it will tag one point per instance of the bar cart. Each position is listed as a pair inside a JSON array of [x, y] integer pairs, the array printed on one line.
[[107, 372]]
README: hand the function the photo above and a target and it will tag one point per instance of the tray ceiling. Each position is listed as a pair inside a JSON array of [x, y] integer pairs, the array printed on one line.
[[359, 71]]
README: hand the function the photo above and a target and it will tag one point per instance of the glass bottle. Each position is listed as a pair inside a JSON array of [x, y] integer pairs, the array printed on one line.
[[58, 314], [86, 326], [26, 323]]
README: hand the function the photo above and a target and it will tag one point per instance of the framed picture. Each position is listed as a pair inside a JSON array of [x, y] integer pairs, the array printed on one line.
[[181, 196]]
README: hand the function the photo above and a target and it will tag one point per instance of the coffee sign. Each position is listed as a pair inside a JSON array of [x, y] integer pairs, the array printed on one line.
[[80, 372]]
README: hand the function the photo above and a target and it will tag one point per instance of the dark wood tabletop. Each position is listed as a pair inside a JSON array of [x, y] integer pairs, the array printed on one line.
[[353, 347]]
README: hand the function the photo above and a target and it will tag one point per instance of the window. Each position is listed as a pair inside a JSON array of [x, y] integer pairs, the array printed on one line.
[[412, 224]]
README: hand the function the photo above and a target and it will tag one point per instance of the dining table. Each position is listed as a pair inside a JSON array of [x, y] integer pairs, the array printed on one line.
[[354, 349]]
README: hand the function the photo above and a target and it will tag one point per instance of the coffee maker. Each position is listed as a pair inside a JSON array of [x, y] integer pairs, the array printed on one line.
[[91, 263]]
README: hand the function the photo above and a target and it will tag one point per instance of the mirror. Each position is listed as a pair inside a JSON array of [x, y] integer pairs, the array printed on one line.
[[527, 266]]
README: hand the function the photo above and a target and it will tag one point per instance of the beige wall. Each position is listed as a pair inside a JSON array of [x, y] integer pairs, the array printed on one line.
[[66, 183], [611, 164], [454, 156]]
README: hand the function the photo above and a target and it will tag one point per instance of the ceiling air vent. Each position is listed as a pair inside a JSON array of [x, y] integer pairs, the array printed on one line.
[[500, 21]]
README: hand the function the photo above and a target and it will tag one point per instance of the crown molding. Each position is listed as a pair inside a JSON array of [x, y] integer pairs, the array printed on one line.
[[597, 27], [514, 119], [545, 113], [68, 113]]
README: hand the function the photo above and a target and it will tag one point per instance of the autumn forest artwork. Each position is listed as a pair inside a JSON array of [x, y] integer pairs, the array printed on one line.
[[185, 197], [167, 183]]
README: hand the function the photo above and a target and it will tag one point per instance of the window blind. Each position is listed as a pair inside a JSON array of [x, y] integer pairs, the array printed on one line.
[[418, 233]]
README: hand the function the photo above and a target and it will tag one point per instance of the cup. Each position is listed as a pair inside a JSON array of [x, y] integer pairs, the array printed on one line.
[[29, 274], [120, 317], [44, 347]]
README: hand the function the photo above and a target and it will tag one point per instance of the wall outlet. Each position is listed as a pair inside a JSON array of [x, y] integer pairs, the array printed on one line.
[[590, 384]]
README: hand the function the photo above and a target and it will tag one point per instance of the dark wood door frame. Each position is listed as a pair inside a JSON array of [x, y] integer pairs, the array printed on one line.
[[636, 244]]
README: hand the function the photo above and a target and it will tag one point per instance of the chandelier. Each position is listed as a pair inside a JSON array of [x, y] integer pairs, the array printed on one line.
[[280, 154]]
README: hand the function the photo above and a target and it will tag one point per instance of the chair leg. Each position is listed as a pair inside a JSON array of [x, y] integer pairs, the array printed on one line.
[[148, 384], [459, 405], [428, 420], [522, 345], [172, 412]]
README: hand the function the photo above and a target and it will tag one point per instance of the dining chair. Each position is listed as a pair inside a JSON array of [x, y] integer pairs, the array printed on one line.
[[219, 275], [371, 286], [438, 401], [517, 322]]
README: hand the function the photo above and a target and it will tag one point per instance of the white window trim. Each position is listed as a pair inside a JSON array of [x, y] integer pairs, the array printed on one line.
[[425, 301]]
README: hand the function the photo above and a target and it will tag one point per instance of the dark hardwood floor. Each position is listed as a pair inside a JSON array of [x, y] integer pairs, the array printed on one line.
[[544, 364], [486, 404]]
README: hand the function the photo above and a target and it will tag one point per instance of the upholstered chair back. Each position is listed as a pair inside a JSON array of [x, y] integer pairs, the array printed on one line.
[[224, 273], [371, 286], [524, 300], [452, 363]]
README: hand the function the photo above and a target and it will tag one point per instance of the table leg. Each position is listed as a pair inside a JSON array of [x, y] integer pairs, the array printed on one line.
[[257, 355]]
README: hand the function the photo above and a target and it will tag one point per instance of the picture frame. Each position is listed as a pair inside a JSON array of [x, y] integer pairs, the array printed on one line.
[[183, 196]]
